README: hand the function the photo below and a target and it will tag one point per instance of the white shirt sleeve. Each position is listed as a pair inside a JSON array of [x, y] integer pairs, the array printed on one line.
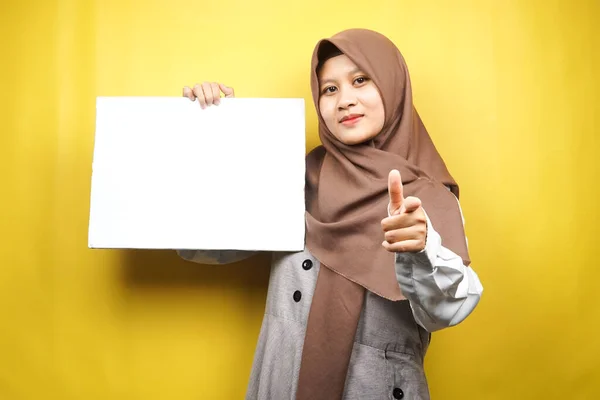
[[215, 257], [442, 291]]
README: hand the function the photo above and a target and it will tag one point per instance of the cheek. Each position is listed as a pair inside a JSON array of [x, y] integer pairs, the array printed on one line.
[[376, 107], [326, 108], [380, 117]]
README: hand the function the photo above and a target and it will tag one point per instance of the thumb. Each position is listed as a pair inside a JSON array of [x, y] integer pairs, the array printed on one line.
[[227, 91], [395, 191]]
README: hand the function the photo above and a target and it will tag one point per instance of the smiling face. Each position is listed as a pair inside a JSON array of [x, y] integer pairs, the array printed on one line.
[[349, 101]]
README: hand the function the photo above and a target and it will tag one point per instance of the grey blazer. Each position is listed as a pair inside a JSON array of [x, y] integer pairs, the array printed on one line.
[[391, 338]]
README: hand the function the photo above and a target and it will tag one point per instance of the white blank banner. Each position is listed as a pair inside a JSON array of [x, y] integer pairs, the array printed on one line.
[[169, 175]]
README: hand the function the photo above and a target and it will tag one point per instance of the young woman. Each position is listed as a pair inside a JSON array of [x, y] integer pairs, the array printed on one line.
[[386, 259]]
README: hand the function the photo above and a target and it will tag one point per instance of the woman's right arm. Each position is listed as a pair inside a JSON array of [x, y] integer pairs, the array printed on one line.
[[209, 93]]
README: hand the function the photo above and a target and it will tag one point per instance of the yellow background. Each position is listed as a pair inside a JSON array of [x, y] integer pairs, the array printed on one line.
[[508, 89]]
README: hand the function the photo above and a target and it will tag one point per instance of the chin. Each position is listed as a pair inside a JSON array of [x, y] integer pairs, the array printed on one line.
[[354, 139], [353, 142]]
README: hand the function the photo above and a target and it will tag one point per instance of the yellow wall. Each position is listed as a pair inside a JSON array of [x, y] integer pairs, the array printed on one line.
[[508, 89]]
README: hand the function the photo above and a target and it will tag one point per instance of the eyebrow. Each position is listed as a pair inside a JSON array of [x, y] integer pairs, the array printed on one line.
[[353, 72]]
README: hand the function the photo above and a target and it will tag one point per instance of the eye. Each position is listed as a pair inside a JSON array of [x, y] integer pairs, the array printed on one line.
[[329, 89], [360, 80]]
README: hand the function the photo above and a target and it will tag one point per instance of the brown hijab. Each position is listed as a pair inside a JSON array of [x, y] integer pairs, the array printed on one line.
[[346, 199]]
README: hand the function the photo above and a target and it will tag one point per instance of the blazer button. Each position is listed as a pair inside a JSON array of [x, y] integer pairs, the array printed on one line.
[[307, 264], [297, 296], [398, 393]]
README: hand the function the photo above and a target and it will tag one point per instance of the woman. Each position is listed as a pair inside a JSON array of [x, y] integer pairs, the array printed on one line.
[[386, 259]]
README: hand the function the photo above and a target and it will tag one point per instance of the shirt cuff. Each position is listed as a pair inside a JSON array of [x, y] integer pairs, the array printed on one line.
[[433, 242]]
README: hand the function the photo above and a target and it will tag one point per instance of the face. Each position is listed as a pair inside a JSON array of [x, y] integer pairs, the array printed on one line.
[[349, 101]]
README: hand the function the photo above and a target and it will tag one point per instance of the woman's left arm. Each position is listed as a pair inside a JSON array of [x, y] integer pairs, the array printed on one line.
[[442, 291]]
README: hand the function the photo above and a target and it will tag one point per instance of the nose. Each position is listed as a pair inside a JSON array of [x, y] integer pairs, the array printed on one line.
[[347, 99]]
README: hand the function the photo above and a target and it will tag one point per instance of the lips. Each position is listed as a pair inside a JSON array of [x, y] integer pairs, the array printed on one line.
[[350, 117], [351, 120]]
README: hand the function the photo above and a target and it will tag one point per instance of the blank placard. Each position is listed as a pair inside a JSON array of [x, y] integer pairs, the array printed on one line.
[[168, 175]]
